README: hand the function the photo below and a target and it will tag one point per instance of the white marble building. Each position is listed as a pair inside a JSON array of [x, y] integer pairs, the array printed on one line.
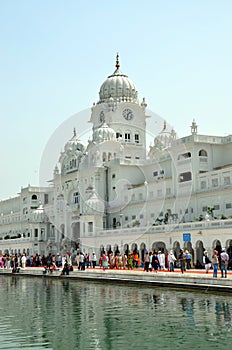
[[114, 193]]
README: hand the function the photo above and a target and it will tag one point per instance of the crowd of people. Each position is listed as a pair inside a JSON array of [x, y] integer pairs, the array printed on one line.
[[150, 261], [50, 262], [216, 261]]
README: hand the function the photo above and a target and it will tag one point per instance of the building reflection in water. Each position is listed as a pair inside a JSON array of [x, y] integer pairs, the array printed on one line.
[[81, 315]]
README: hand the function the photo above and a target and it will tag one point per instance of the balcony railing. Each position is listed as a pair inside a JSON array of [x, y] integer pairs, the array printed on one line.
[[193, 226]]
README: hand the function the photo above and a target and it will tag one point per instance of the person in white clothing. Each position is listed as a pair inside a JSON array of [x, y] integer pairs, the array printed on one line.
[[63, 260], [23, 261], [171, 261], [206, 261], [94, 260], [161, 258]]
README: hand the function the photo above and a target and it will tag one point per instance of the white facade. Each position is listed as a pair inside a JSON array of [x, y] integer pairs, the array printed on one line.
[[113, 193], [24, 226]]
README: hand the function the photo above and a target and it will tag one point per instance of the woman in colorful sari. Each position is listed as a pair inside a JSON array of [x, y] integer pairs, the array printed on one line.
[[104, 262]]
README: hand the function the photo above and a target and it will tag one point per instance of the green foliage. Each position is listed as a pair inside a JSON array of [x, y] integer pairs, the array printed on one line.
[[135, 223], [223, 217]]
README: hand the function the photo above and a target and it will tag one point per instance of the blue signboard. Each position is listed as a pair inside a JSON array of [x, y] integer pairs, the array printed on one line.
[[187, 237]]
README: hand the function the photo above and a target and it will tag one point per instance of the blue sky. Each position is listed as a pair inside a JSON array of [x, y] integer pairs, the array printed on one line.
[[56, 54]]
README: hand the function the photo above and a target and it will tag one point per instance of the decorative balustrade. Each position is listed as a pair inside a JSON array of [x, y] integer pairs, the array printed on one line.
[[169, 228]]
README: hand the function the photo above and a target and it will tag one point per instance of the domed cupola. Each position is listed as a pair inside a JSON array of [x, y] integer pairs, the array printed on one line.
[[94, 204], [104, 133], [165, 138], [73, 152], [74, 144], [118, 87]]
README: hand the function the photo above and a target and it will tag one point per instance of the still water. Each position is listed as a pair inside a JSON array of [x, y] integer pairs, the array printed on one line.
[[60, 314]]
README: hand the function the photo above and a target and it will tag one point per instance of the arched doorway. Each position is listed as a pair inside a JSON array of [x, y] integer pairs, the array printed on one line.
[[134, 248], [142, 251], [116, 250], [176, 248], [62, 230], [159, 246], [229, 251], [75, 231], [217, 245], [126, 249], [102, 250], [199, 255], [108, 249]]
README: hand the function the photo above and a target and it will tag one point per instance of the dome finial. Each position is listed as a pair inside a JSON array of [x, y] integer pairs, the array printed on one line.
[[117, 65], [74, 132]]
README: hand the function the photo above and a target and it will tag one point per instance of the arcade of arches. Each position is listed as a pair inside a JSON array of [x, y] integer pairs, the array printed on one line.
[[197, 252]]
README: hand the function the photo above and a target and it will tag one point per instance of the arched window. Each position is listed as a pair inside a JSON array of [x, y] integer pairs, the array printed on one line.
[[114, 222], [203, 153], [34, 197], [119, 135], [25, 211], [127, 136], [76, 197], [136, 137]]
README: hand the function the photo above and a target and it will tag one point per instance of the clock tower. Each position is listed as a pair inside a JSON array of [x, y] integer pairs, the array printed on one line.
[[119, 108]]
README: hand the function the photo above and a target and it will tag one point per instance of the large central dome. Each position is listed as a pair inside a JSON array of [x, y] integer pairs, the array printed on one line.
[[118, 87]]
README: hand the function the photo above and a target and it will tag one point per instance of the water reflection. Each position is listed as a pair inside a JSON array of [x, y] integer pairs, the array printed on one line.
[[49, 314]]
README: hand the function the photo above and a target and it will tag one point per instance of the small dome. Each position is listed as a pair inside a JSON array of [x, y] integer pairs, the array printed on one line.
[[74, 143], [70, 159], [165, 138], [39, 213], [118, 87], [94, 204], [104, 133]]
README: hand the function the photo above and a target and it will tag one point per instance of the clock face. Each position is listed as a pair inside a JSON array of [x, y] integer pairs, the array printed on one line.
[[127, 114], [102, 117]]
